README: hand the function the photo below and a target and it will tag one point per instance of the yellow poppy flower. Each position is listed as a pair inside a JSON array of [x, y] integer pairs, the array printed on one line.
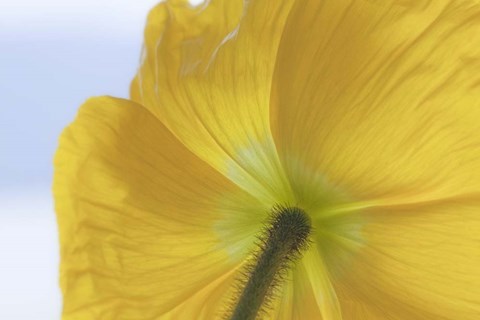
[[363, 113]]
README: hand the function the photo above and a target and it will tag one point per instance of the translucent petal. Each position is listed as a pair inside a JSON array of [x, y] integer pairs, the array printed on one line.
[[380, 98], [379, 102], [323, 290], [139, 218], [419, 262], [207, 74], [208, 303], [296, 298]]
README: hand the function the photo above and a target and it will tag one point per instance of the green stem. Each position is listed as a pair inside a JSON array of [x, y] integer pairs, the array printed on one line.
[[283, 243]]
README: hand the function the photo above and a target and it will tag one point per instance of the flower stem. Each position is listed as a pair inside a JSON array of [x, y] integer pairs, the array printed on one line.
[[283, 243]]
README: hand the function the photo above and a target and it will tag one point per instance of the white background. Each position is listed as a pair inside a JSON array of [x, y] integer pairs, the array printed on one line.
[[53, 55]]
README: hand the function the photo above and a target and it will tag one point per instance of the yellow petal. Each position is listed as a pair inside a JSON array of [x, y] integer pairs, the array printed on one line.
[[208, 303], [207, 74], [296, 298], [139, 215], [381, 98], [308, 291], [380, 101], [420, 262], [323, 290]]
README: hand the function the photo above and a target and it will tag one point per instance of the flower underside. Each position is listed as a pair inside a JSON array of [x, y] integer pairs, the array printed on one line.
[[363, 113]]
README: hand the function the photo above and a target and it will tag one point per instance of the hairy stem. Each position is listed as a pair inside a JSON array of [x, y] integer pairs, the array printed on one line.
[[283, 243]]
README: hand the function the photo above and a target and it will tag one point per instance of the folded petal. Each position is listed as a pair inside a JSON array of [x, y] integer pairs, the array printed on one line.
[[418, 262], [381, 98], [295, 300], [207, 74], [139, 218], [323, 290]]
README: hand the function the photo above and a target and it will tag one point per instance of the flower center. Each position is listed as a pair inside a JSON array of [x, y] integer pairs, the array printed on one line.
[[283, 242]]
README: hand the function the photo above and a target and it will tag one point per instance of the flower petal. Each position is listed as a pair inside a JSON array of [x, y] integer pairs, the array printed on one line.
[[138, 215], [420, 262], [323, 289], [296, 298], [207, 73], [381, 98]]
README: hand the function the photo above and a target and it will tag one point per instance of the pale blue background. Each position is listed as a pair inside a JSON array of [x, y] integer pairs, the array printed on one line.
[[53, 55]]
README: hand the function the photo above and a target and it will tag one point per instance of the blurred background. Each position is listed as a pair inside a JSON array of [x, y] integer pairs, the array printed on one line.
[[53, 55]]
